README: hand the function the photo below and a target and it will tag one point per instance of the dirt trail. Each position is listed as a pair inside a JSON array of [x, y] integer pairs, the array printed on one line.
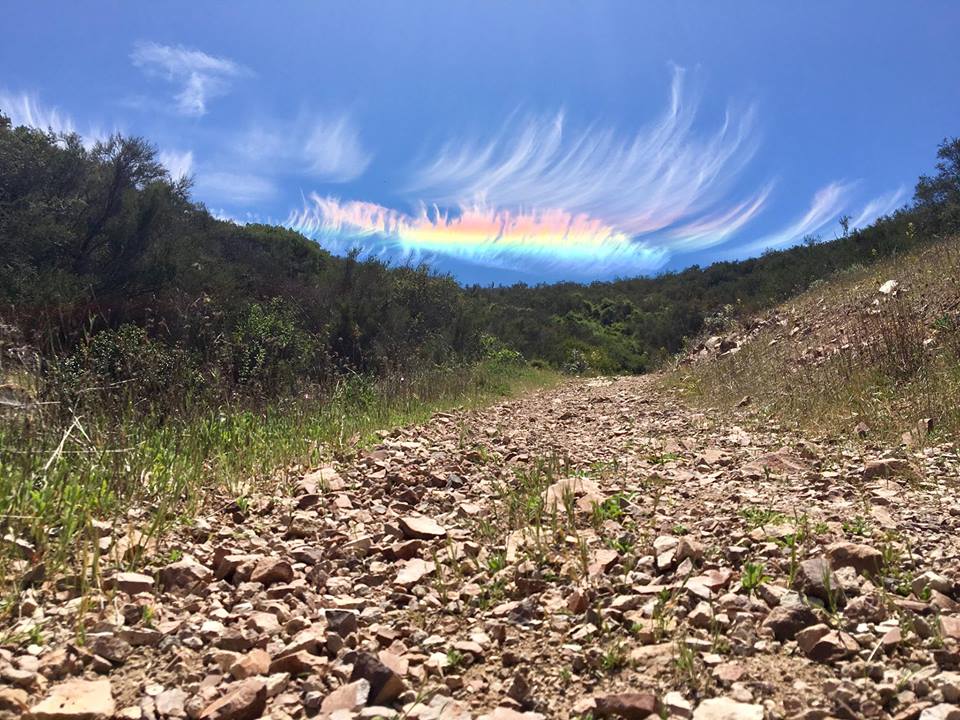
[[598, 548]]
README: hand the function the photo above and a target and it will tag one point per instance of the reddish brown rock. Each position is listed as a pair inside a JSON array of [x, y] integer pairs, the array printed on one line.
[[77, 700], [630, 706], [272, 570], [385, 684], [244, 700], [421, 528]]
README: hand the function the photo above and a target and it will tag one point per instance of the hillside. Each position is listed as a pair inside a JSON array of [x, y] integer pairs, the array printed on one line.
[[874, 352], [241, 477]]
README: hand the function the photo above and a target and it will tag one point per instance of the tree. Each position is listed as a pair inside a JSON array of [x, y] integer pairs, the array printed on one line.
[[938, 197]]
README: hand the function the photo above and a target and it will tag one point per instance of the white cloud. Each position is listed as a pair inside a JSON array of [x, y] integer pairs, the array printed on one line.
[[825, 207], [334, 151], [237, 188], [200, 75], [178, 164], [878, 207], [660, 177], [26, 109], [326, 148]]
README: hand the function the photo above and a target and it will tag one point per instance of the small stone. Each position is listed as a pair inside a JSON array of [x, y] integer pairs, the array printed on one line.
[[13, 701], [785, 621], [77, 700], [111, 647], [413, 571], [244, 700], [171, 703], [349, 697], [721, 708], [943, 711], [816, 578], [862, 558], [133, 583], [630, 705], [421, 528], [186, 575], [822, 644], [272, 570], [255, 662], [385, 684]]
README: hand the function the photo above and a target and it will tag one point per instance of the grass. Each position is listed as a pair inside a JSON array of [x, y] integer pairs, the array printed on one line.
[[140, 473], [842, 354]]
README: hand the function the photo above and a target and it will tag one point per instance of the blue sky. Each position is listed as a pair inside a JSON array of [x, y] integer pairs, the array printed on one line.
[[511, 140]]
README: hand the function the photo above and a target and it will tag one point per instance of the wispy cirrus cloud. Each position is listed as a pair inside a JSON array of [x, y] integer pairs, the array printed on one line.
[[878, 207], [178, 163], [662, 175], [26, 109], [826, 206], [200, 76], [324, 147]]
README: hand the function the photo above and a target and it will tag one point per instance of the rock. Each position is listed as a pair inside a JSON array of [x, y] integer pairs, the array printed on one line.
[[889, 468], [821, 644], [631, 705], [255, 662], [676, 704], [297, 663], [785, 621], [111, 647], [171, 703], [930, 580], [816, 578], [185, 575], [342, 622], [689, 548], [349, 697], [943, 711], [862, 558], [133, 583], [385, 684], [413, 571], [721, 708], [421, 528], [950, 627], [244, 700], [272, 570], [77, 700], [13, 701]]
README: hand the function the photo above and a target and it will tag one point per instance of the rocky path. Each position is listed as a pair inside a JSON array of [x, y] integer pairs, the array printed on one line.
[[595, 550]]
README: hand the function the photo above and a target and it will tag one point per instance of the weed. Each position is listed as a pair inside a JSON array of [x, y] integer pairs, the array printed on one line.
[[753, 577], [858, 526], [614, 658], [757, 517]]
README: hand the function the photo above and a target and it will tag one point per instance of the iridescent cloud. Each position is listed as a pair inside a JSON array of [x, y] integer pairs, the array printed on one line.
[[551, 239]]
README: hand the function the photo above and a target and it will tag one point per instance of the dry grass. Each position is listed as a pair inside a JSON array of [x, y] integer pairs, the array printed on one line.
[[843, 353]]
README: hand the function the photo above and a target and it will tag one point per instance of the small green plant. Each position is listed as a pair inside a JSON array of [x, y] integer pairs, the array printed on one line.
[[757, 517], [455, 659], [858, 526], [614, 658], [753, 577], [496, 562]]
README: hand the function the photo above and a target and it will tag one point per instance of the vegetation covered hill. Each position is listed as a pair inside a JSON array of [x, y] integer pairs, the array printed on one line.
[[105, 260]]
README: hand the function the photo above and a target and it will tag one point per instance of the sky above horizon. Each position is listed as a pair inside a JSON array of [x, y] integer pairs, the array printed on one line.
[[511, 141]]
